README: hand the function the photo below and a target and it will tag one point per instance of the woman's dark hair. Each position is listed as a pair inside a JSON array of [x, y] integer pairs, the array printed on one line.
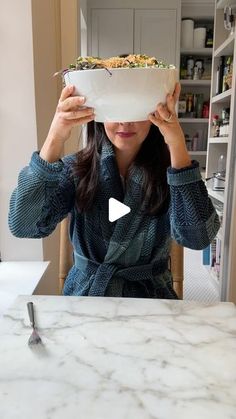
[[153, 157]]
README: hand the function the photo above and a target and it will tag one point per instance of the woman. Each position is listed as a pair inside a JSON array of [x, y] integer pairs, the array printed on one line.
[[143, 164]]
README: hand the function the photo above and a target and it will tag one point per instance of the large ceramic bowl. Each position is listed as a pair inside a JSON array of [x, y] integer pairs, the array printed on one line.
[[123, 94]]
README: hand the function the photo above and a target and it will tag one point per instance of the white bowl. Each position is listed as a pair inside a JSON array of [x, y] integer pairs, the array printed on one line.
[[123, 94]]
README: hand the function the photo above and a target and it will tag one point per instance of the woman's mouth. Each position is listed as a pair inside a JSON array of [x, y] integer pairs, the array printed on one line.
[[125, 134]]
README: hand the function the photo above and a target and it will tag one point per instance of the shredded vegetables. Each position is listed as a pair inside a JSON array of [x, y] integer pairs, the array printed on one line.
[[126, 61]]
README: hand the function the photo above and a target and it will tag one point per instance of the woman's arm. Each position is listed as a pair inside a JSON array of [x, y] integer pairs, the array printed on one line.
[[193, 219], [70, 112], [44, 196], [46, 192], [166, 120]]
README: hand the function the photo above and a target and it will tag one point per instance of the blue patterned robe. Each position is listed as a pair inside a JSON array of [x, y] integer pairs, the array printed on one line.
[[128, 257]]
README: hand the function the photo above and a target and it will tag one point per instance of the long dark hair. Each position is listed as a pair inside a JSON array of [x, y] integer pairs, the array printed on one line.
[[153, 157]]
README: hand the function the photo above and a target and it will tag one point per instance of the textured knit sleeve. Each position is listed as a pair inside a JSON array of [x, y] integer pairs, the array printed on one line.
[[193, 219], [44, 196]]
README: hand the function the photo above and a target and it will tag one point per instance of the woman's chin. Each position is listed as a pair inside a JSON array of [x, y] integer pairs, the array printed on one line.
[[125, 143]]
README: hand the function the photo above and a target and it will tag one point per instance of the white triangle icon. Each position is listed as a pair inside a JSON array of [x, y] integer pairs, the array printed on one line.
[[117, 209]]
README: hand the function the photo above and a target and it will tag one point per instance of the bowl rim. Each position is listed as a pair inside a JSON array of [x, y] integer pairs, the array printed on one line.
[[93, 70]]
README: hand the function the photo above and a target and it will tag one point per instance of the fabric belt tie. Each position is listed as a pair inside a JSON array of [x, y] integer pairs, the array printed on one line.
[[101, 274]]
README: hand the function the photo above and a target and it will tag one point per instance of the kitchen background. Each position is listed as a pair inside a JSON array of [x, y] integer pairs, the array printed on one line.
[[45, 36]]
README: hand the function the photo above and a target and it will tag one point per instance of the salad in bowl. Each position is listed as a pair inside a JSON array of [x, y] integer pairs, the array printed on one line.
[[122, 88]]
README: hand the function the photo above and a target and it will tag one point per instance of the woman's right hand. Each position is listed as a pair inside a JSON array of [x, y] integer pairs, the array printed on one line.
[[70, 112]]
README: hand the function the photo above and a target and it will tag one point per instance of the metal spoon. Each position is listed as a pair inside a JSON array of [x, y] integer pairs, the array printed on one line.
[[34, 337]]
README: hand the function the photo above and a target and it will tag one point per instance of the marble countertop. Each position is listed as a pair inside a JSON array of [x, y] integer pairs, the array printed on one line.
[[17, 278], [118, 358]]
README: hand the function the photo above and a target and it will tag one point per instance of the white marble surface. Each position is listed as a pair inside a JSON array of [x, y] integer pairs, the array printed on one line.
[[119, 358], [18, 278]]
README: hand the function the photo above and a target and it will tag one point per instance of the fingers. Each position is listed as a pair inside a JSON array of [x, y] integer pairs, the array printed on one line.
[[177, 91], [171, 100], [82, 113], [71, 109], [82, 121], [66, 92], [155, 119], [164, 111], [70, 103]]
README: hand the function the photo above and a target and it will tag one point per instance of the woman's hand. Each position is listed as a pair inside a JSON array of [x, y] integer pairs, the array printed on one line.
[[166, 120], [70, 112]]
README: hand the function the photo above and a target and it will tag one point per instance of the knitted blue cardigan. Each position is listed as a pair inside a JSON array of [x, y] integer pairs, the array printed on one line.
[[128, 257]]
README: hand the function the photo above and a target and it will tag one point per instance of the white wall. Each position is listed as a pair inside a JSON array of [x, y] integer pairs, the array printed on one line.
[[37, 39], [18, 130]]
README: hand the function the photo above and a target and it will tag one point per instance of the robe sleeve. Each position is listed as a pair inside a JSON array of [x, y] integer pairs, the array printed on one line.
[[44, 195], [193, 219]]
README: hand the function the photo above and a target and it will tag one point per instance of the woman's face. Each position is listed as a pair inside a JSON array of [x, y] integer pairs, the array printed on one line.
[[127, 136]]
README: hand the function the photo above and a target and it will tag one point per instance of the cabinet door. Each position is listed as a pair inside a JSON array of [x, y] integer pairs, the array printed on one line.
[[112, 32], [156, 34]]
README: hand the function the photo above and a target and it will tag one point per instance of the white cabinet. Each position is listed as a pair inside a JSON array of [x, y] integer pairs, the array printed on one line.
[[118, 27], [151, 26], [112, 32]]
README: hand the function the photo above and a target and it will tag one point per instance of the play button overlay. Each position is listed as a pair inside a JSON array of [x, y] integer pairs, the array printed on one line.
[[117, 209]]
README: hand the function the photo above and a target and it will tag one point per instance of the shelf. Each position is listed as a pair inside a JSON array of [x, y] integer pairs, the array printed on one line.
[[197, 153], [197, 51], [218, 140], [195, 82], [222, 97], [217, 195], [194, 120], [220, 4], [226, 48]]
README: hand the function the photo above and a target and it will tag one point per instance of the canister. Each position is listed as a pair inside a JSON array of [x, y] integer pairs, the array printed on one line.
[[187, 27], [199, 37]]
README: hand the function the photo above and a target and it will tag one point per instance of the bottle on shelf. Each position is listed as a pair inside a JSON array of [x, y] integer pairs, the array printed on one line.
[[196, 75], [216, 125], [224, 127], [188, 142], [199, 63], [190, 105], [183, 68], [221, 167], [219, 176], [209, 38], [190, 66], [195, 142], [182, 106], [227, 74], [199, 105], [205, 109], [219, 76]]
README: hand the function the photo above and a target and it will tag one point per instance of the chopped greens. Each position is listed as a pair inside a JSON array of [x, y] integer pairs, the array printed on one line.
[[129, 61]]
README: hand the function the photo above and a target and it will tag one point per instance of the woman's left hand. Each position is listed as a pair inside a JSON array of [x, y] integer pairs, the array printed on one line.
[[166, 120]]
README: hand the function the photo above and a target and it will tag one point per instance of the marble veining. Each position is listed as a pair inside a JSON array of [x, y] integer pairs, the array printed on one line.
[[118, 358]]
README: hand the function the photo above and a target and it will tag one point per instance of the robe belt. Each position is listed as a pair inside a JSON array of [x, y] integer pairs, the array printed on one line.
[[101, 273]]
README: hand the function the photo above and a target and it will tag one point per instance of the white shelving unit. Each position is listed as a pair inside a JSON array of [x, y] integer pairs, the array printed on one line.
[[224, 45], [197, 125], [191, 83], [194, 120], [197, 51]]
